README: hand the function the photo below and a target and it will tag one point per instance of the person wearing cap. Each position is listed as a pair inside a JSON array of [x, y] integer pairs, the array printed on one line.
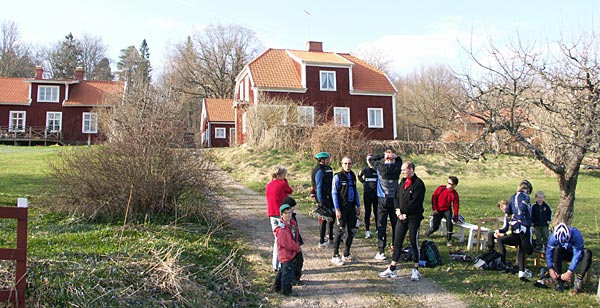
[[321, 178], [299, 260], [566, 243], [445, 203], [347, 210], [519, 209], [288, 246], [275, 191], [388, 174], [368, 177]]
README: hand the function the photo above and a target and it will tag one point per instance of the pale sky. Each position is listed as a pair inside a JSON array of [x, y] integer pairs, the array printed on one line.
[[411, 33]]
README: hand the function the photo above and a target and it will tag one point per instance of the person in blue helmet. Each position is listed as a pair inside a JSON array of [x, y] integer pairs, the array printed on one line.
[[566, 243], [321, 178], [519, 209]]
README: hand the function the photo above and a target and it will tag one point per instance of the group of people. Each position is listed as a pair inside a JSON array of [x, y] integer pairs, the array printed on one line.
[[565, 243], [392, 190]]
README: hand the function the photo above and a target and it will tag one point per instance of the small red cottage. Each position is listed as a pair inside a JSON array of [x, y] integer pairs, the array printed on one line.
[[339, 86], [217, 123], [42, 111]]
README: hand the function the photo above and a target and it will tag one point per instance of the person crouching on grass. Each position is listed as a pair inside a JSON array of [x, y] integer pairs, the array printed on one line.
[[288, 247]]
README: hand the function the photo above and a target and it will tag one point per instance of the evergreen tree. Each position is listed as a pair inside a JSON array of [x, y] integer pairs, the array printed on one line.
[[102, 70], [66, 56]]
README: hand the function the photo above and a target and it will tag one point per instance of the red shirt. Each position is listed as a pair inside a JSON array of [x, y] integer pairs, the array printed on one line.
[[287, 241], [276, 191], [444, 199]]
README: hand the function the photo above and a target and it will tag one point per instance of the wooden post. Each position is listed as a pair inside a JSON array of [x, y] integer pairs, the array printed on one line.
[[16, 294]]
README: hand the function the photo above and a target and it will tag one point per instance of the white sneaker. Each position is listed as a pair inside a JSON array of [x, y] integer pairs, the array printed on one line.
[[380, 256], [416, 276], [323, 245], [337, 261], [348, 259], [368, 234], [388, 274]]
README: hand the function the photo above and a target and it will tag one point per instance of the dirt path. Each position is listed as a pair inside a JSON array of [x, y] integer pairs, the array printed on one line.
[[327, 285]]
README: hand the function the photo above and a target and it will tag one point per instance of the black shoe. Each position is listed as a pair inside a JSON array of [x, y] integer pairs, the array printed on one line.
[[523, 279], [559, 286]]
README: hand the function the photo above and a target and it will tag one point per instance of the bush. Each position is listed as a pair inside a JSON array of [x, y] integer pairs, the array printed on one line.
[[140, 170]]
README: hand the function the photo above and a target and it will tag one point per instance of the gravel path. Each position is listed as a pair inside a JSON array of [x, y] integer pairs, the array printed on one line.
[[327, 285]]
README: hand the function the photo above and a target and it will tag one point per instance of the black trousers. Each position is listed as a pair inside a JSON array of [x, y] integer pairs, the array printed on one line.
[[437, 219], [345, 226], [385, 209], [560, 254], [410, 225], [284, 278], [521, 240], [370, 201]]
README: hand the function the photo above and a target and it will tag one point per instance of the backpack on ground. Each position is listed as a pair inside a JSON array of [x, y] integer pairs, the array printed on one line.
[[430, 254], [490, 260]]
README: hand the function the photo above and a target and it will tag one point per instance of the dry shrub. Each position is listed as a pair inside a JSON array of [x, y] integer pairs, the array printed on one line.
[[140, 170], [339, 142]]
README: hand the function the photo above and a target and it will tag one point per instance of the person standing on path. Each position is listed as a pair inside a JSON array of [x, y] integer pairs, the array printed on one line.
[[409, 210], [388, 173], [276, 191], [288, 248], [321, 178], [347, 210], [368, 177], [444, 203]]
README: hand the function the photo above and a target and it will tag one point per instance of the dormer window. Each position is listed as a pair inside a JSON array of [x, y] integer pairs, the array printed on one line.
[[327, 80], [48, 94]]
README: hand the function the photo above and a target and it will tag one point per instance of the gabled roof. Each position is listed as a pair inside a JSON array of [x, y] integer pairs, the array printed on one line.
[[280, 68], [95, 93], [219, 110], [14, 91]]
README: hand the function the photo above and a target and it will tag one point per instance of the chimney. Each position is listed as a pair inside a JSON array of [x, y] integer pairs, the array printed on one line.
[[39, 71], [315, 46], [79, 73]]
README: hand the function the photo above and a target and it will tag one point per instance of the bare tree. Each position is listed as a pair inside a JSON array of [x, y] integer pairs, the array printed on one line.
[[207, 63], [426, 95], [15, 56], [546, 101], [93, 50], [377, 58]]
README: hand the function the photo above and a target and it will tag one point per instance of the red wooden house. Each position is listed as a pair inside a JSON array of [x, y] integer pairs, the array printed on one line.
[[338, 86], [37, 110], [217, 123]]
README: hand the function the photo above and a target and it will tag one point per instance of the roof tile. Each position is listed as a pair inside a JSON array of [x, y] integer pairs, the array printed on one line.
[[14, 91], [219, 110]]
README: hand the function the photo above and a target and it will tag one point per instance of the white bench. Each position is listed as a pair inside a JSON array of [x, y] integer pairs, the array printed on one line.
[[459, 232]]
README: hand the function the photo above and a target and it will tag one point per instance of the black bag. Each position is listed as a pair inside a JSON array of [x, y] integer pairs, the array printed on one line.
[[430, 254], [490, 260]]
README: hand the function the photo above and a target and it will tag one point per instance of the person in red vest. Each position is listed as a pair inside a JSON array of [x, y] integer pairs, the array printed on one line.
[[445, 203]]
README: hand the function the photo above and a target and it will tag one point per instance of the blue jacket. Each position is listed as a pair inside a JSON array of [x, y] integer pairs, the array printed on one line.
[[574, 245], [520, 208]]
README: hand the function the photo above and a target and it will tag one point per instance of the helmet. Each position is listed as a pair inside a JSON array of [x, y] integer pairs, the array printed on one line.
[[461, 219], [562, 233], [528, 184], [322, 155]]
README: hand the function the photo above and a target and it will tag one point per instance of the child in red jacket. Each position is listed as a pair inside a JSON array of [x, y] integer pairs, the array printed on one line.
[[288, 247]]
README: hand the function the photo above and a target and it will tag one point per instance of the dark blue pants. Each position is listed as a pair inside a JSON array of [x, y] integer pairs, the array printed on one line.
[[385, 209], [285, 276]]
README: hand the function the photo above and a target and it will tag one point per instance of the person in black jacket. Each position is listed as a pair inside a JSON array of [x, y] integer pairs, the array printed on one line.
[[409, 210], [541, 215], [368, 177], [388, 173]]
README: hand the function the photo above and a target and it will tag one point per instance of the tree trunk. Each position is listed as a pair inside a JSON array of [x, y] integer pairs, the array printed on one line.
[[567, 183]]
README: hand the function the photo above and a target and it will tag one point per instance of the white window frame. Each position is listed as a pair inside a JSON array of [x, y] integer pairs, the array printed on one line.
[[341, 116], [48, 94], [306, 115], [89, 123], [327, 81], [16, 121], [53, 121], [220, 133], [244, 128], [375, 117]]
